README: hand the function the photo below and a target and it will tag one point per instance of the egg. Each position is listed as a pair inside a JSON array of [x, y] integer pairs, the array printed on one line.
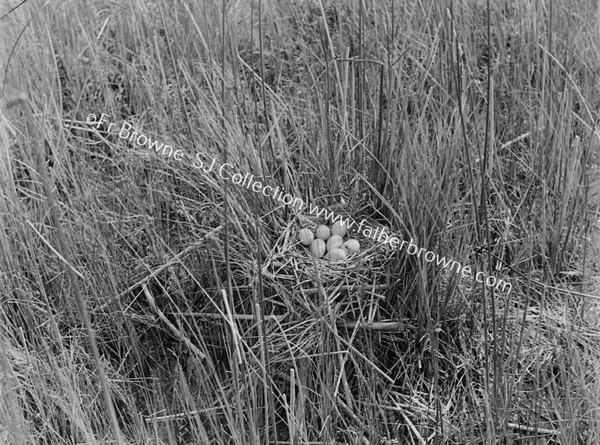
[[317, 248], [339, 229], [323, 232], [305, 236], [352, 246], [334, 242], [337, 254]]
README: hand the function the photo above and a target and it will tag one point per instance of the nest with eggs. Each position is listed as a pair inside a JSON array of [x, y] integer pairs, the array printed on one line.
[[314, 256], [317, 306]]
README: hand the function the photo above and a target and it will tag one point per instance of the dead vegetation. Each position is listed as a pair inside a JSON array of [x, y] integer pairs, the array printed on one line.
[[213, 325]]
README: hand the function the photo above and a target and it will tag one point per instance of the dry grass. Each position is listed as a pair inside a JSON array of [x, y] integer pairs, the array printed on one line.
[[213, 324]]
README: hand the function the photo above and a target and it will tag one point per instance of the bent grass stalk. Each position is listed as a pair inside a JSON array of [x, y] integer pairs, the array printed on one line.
[[65, 256]]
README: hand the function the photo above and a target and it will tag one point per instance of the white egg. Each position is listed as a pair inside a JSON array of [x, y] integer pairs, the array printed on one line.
[[339, 229], [317, 248], [306, 236], [352, 246], [337, 255], [334, 242], [323, 232]]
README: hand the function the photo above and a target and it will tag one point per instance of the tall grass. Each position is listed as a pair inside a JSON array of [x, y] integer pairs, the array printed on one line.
[[467, 126]]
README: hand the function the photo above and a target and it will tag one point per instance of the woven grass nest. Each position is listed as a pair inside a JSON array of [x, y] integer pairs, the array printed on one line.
[[311, 334], [292, 267]]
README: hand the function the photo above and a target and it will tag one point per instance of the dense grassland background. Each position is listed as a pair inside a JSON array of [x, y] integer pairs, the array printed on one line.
[[470, 128]]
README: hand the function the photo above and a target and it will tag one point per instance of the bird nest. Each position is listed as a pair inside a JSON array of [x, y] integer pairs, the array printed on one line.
[[292, 269]]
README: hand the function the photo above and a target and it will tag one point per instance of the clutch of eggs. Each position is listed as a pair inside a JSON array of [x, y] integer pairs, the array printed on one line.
[[329, 242]]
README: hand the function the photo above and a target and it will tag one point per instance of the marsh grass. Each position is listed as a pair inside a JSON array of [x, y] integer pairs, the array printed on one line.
[[214, 326]]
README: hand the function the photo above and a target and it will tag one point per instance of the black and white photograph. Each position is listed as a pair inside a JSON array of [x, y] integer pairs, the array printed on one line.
[[299, 222]]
